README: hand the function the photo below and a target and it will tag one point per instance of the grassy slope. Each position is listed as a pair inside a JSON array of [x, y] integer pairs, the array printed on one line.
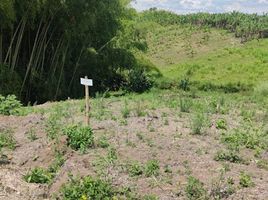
[[218, 57]]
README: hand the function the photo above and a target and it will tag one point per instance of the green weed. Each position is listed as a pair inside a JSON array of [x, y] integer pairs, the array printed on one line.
[[195, 189], [79, 137], [245, 180], [6, 139], [38, 175], [9, 105], [152, 168], [198, 123]]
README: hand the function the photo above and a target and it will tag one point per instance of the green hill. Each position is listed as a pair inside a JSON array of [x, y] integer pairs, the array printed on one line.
[[209, 56]]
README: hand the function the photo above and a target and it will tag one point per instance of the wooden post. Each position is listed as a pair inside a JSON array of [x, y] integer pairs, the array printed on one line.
[[87, 103]]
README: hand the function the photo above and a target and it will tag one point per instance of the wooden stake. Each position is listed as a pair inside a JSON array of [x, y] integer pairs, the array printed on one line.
[[87, 103]]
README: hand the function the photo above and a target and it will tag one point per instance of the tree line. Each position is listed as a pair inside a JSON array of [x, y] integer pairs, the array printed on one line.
[[245, 26], [47, 45]]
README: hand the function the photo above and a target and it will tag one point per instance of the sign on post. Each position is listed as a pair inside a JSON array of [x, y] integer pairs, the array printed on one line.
[[87, 83]]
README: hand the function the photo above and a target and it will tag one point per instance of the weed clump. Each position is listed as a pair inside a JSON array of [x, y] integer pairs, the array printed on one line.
[[152, 168], [79, 137], [38, 175], [245, 180], [135, 169], [195, 189], [7, 140], [198, 123], [230, 156]]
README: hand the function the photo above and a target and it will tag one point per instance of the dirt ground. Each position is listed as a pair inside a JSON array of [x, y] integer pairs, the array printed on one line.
[[168, 142]]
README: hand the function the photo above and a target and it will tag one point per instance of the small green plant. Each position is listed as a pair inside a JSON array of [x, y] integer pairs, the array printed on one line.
[[185, 105], [245, 180], [185, 84], [112, 155], [79, 137], [38, 175], [31, 135], [9, 105], [135, 169], [7, 140], [262, 164], [139, 109], [125, 111], [87, 188], [195, 189], [152, 168], [230, 156], [103, 142], [221, 124], [198, 123]]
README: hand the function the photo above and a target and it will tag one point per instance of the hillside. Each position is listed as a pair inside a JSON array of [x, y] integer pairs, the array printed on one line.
[[205, 55]]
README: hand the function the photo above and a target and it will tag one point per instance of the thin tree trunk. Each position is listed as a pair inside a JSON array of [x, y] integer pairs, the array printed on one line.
[[32, 56], [61, 72], [1, 45], [8, 55], [16, 52]]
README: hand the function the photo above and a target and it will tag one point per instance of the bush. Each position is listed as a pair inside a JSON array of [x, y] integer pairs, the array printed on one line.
[[9, 105], [195, 189], [185, 84], [87, 188], [38, 175], [79, 137], [138, 81]]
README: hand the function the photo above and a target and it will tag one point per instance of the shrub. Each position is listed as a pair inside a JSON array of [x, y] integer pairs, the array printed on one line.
[[138, 81], [152, 168], [87, 188], [263, 164], [185, 84], [9, 105], [195, 189], [38, 175], [245, 180], [79, 137], [6, 139]]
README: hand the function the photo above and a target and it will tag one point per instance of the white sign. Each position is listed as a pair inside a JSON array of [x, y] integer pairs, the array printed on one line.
[[87, 82]]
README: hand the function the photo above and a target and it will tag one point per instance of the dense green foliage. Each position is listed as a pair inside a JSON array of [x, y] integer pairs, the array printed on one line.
[[46, 46], [79, 137], [87, 188], [9, 105], [246, 26]]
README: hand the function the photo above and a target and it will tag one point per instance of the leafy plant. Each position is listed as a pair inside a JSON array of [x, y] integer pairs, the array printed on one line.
[[152, 168], [185, 84], [9, 105], [38, 175], [138, 81], [79, 137], [195, 189], [221, 124], [135, 169], [245, 180], [230, 156], [103, 142], [88, 188]]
